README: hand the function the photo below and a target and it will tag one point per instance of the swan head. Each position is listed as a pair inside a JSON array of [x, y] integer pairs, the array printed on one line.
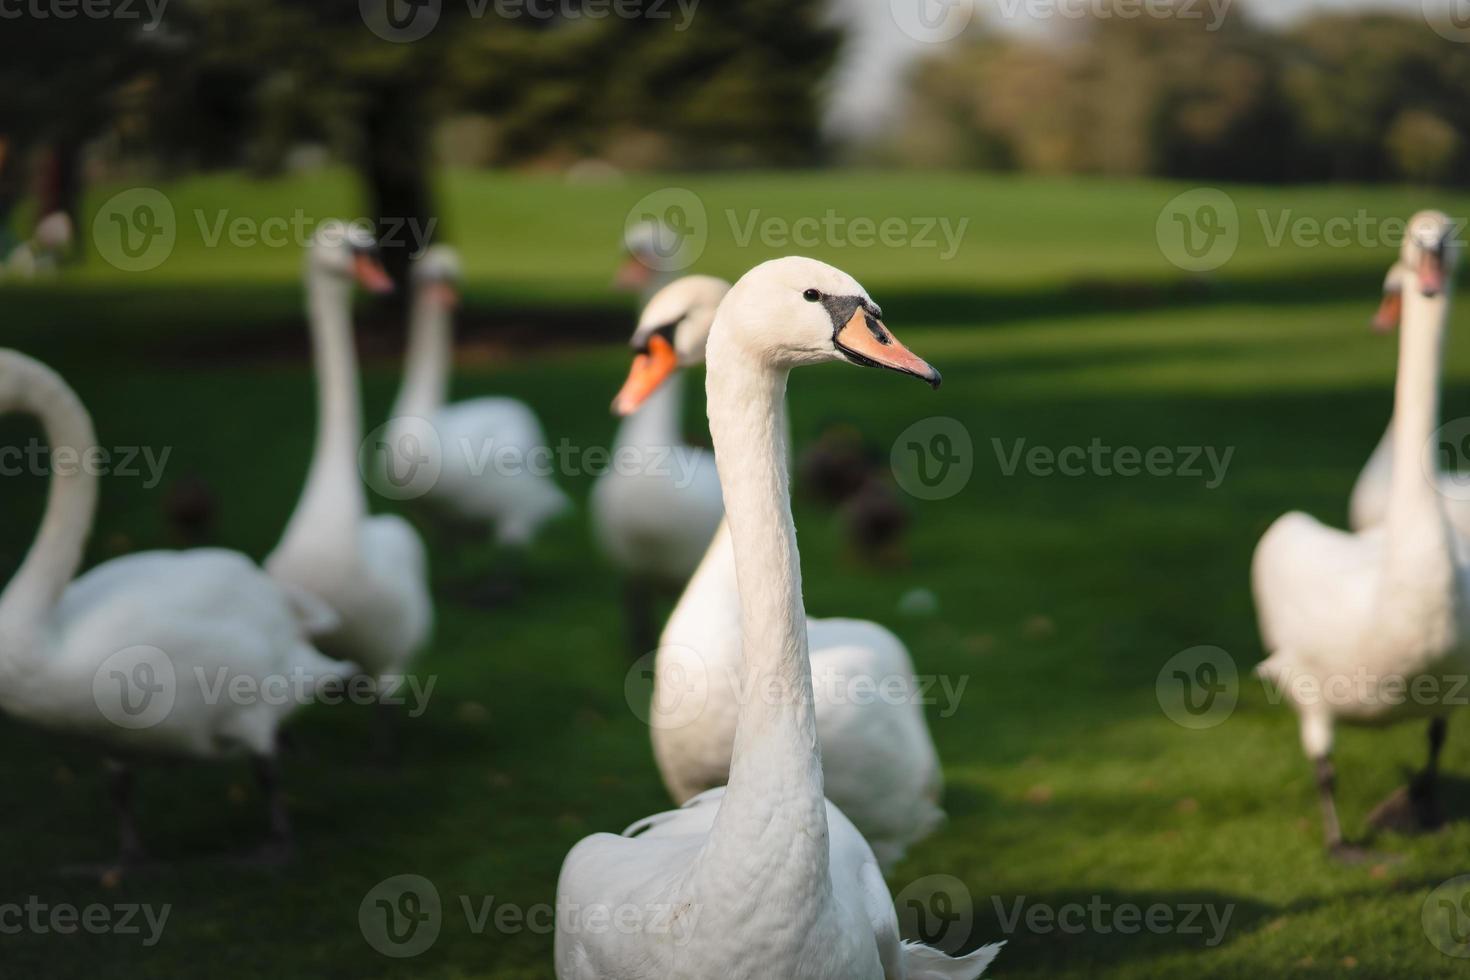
[[794, 311], [641, 244], [671, 335], [436, 276], [347, 253], [1427, 262], [1431, 250]]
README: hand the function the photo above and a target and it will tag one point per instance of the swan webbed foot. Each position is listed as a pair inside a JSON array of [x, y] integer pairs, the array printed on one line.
[[1411, 809]]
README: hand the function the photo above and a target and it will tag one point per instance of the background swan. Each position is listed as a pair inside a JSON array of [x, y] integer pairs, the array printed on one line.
[[653, 515], [371, 571], [1430, 234], [484, 450], [1354, 622], [878, 758], [765, 878], [130, 652]]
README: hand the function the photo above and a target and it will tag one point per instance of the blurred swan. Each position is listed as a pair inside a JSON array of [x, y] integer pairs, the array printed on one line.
[[879, 760], [1430, 233], [129, 653], [764, 877], [371, 571], [466, 439], [1356, 623], [653, 514]]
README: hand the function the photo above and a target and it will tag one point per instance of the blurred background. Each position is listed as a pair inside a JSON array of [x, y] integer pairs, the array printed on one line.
[[1133, 224]]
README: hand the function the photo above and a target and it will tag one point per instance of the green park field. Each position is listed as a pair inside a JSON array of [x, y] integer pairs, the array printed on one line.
[[1057, 321]]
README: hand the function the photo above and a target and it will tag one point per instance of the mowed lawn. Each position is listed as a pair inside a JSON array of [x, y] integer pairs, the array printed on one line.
[[1059, 598]]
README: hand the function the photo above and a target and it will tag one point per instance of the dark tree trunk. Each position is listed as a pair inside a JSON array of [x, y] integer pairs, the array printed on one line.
[[395, 166], [68, 187]]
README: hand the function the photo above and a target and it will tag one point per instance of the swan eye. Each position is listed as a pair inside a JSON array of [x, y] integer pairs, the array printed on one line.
[[812, 295]]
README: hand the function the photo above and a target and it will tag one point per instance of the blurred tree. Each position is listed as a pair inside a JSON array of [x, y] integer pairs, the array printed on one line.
[[1341, 97]]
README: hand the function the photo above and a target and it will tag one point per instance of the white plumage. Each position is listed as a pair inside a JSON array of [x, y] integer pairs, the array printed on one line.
[[764, 878], [371, 571], [490, 454]]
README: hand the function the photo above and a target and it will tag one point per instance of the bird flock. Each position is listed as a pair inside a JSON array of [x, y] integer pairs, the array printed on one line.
[[791, 802]]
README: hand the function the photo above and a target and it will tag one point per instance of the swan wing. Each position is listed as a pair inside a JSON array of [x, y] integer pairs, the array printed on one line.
[[1314, 585]]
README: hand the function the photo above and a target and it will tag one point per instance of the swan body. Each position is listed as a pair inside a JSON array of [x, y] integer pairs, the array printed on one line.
[[371, 571], [213, 613], [764, 877], [878, 759], [1353, 622], [142, 652], [489, 454]]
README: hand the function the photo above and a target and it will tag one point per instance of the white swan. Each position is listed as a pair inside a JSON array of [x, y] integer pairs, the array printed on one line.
[[878, 759], [1430, 233], [490, 454], [764, 878], [658, 504], [372, 571], [1371, 628], [135, 652]]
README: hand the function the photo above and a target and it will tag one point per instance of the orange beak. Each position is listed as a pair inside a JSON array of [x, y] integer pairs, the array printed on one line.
[[371, 275], [1386, 320], [649, 371], [633, 276], [865, 340]]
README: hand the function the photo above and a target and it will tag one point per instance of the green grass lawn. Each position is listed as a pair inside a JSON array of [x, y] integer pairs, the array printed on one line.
[[1059, 599]]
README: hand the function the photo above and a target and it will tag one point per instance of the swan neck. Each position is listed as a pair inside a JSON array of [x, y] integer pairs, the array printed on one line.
[[658, 423], [1414, 493], [427, 359], [54, 557], [774, 804], [333, 502]]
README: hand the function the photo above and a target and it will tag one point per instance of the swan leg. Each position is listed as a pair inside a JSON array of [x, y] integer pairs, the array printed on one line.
[[121, 783], [638, 613], [1326, 793], [1415, 808], [279, 844], [1424, 790]]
